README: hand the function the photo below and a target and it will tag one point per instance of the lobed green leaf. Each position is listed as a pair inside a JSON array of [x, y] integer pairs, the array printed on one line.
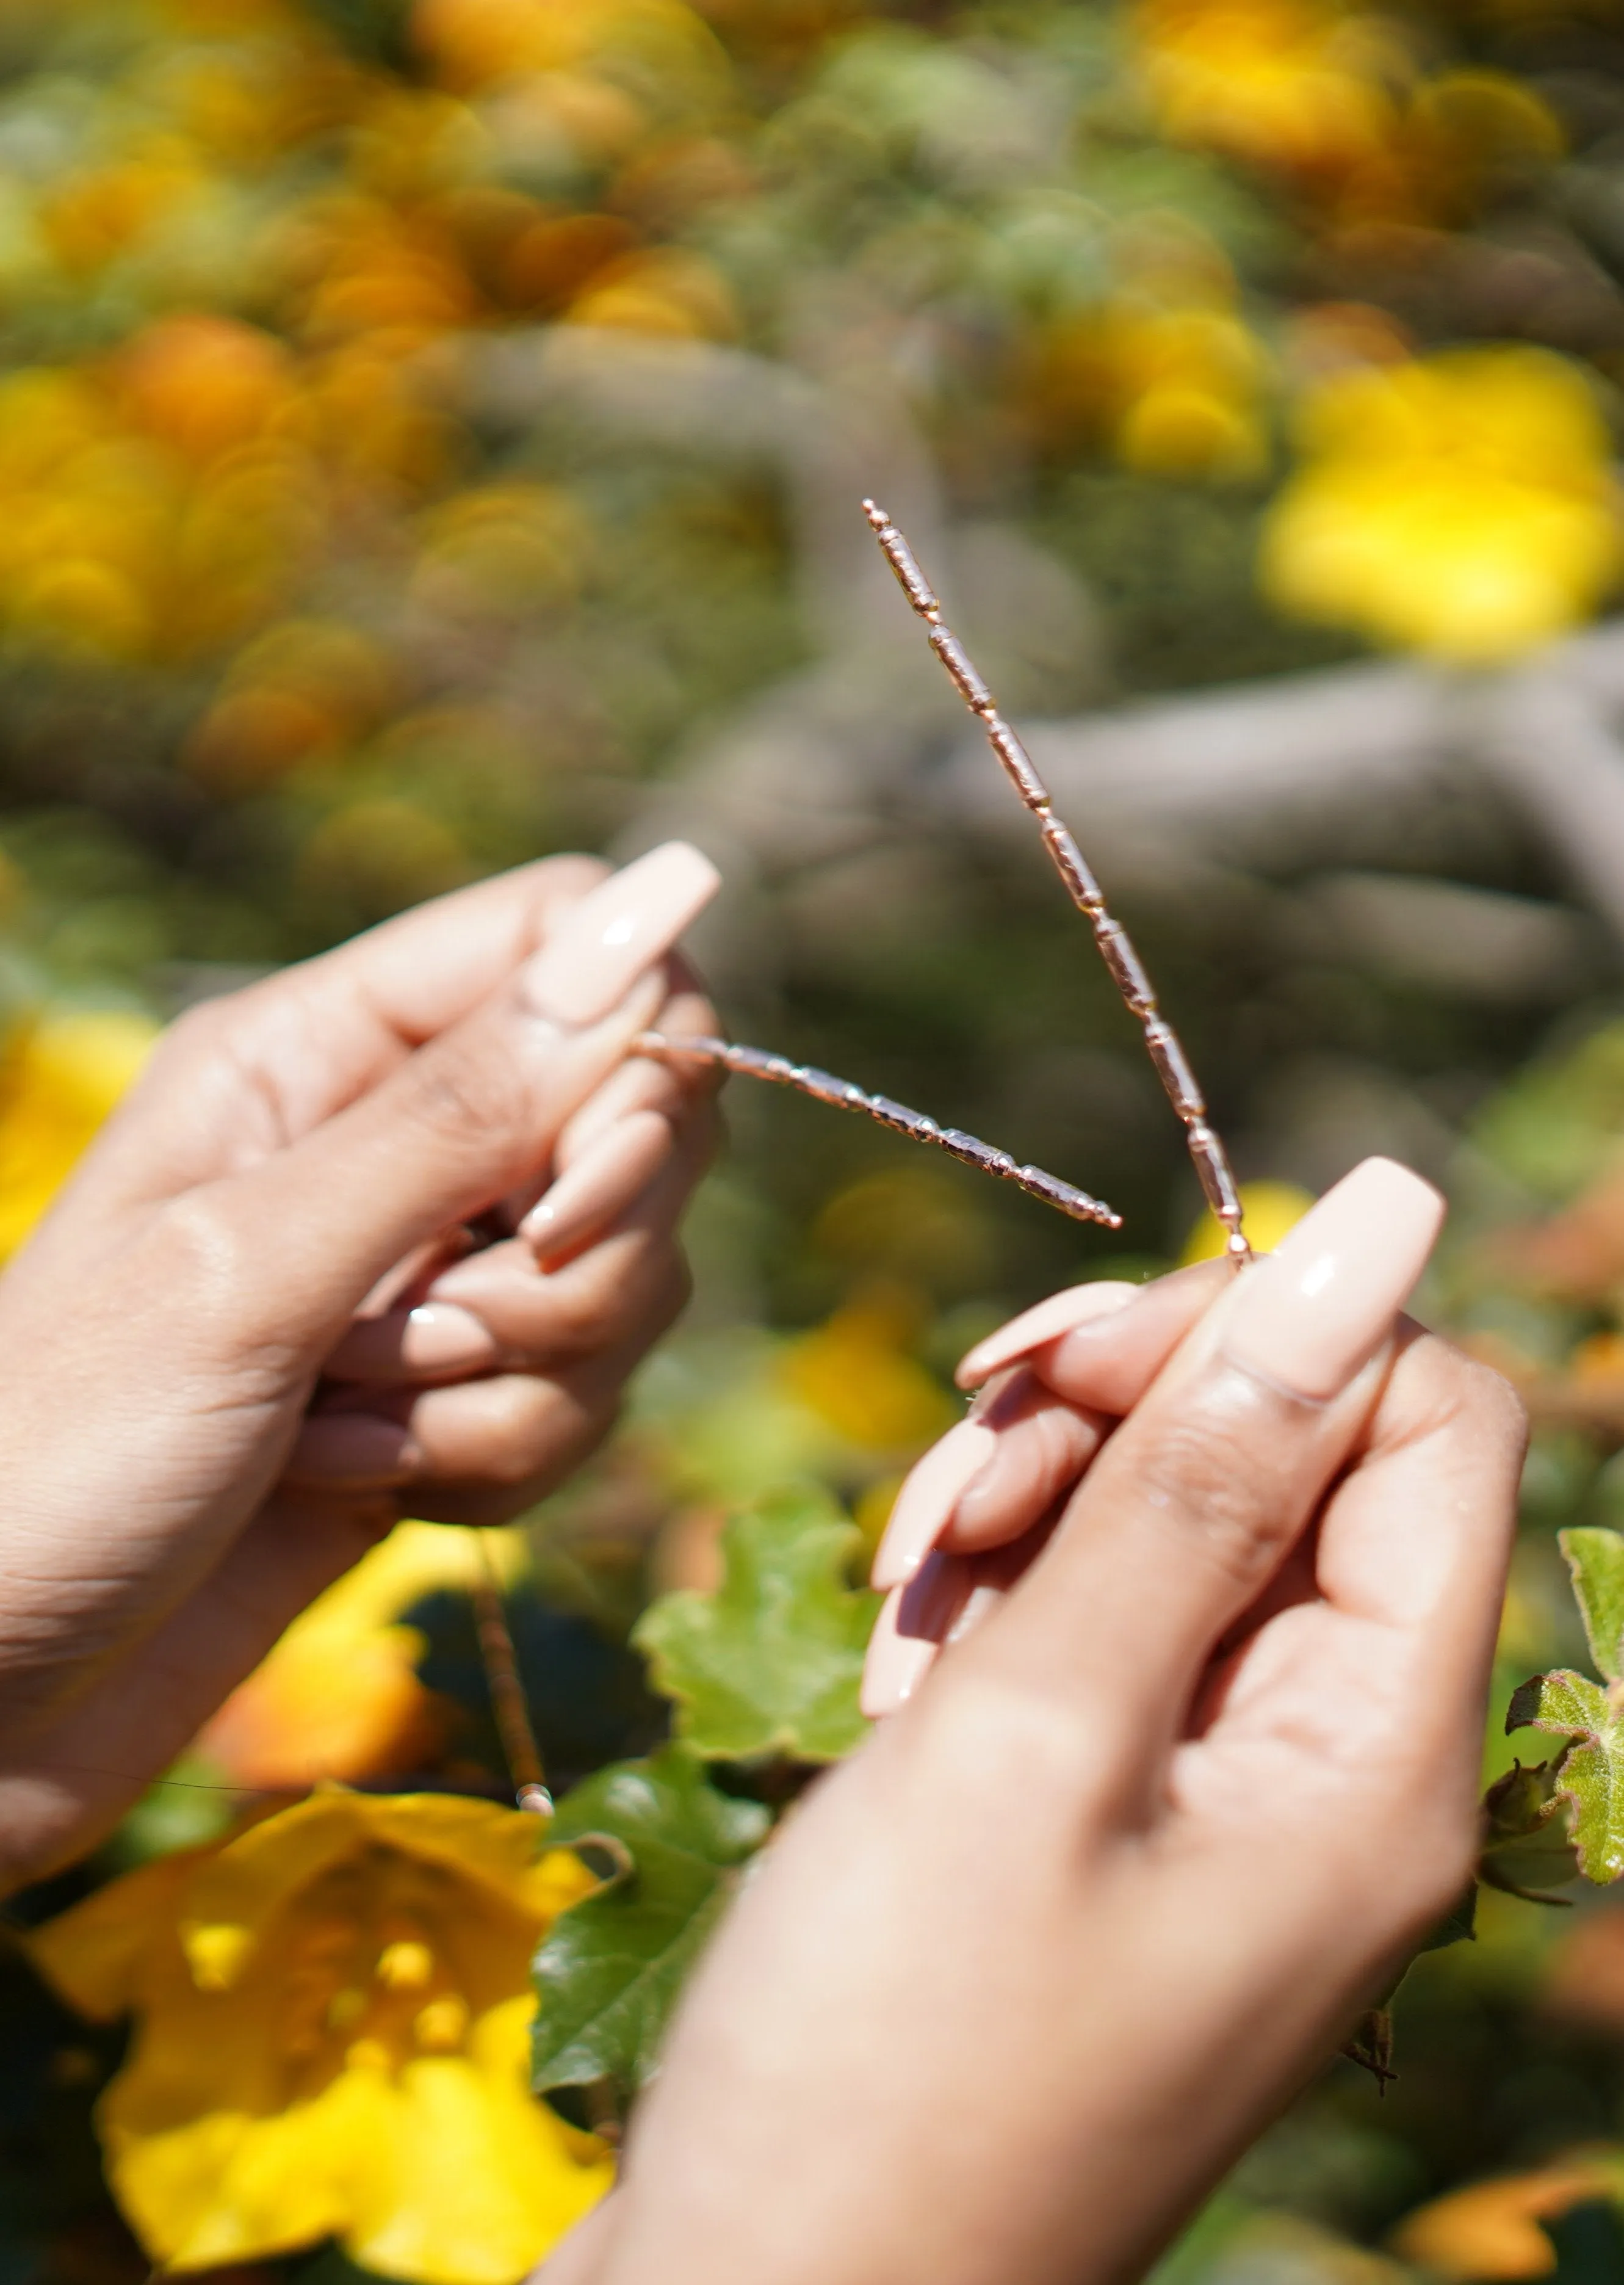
[[770, 1664], [1596, 1558], [1589, 1776]]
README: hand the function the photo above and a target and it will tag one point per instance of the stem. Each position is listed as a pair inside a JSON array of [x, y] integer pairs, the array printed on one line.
[[520, 1749]]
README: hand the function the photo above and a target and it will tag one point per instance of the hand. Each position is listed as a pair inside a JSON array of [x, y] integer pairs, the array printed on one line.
[[252, 1333], [1023, 1977]]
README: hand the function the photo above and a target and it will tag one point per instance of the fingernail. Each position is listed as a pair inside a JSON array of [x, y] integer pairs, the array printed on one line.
[[895, 1663], [929, 1496], [353, 1448], [1310, 1314], [438, 1337], [403, 1344], [603, 1181], [1036, 1327], [603, 944]]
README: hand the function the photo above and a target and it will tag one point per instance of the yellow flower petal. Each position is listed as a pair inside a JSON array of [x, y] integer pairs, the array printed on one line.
[[332, 2040], [1271, 1209], [1462, 505]]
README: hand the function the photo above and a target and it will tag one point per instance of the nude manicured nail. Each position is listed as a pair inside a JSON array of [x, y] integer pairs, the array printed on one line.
[[895, 1665], [913, 1623], [1307, 1317], [600, 1183], [353, 1448], [406, 1344], [928, 1494], [1046, 1323], [438, 1337], [602, 945]]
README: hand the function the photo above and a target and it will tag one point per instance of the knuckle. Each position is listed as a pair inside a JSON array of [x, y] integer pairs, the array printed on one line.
[[1213, 1476], [456, 1094], [204, 1246], [234, 1322], [518, 1429], [200, 1030]]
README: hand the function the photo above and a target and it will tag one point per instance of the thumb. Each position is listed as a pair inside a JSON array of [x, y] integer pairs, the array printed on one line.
[[473, 1114]]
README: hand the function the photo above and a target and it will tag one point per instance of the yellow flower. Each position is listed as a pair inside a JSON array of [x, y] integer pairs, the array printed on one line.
[[1461, 503], [662, 291], [1492, 2229], [332, 2035], [1293, 83], [60, 1074], [855, 1374], [1167, 374], [339, 1696], [1271, 1209]]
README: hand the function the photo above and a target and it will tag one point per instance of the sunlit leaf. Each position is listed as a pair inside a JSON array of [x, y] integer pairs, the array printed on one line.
[[1590, 1774], [771, 1663], [1596, 1558], [612, 1967]]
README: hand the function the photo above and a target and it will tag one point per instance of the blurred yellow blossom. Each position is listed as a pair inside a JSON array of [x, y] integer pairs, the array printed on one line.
[[1173, 389], [1462, 504], [1332, 98], [339, 1696], [856, 1373], [475, 44], [1492, 2229], [333, 2014], [1297, 82], [61, 1072], [1271, 1209], [304, 690], [662, 290]]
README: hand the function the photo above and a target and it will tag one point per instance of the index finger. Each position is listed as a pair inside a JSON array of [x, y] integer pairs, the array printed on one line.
[[252, 1071]]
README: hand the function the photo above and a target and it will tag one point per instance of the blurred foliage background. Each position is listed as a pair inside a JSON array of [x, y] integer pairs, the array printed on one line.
[[431, 434]]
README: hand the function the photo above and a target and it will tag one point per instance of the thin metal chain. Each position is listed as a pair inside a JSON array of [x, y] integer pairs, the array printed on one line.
[[1127, 973], [806, 1078]]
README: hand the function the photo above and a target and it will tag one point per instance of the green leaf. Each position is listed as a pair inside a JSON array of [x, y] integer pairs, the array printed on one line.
[[1589, 1777], [611, 1968], [770, 1664], [1596, 1558]]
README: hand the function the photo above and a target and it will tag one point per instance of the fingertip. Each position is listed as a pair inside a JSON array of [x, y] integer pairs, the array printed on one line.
[[599, 1186], [1046, 1321]]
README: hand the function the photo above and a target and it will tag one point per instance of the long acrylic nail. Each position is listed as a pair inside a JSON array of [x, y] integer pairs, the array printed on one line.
[[1036, 1327], [1307, 1317], [603, 944], [914, 1622], [600, 1184], [407, 1343], [353, 1448], [929, 1496], [894, 1664]]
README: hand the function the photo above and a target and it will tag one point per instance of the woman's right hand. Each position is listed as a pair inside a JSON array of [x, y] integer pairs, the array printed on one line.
[[251, 1333], [1021, 1979]]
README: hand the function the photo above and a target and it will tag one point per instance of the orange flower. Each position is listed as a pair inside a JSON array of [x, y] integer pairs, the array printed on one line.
[[339, 1696]]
